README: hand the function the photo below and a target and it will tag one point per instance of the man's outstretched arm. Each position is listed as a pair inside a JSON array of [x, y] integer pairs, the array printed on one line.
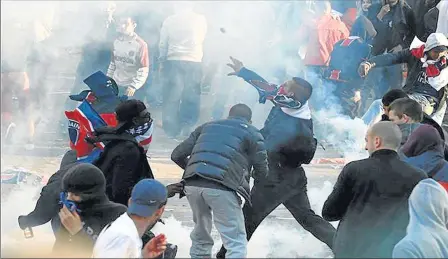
[[265, 90]]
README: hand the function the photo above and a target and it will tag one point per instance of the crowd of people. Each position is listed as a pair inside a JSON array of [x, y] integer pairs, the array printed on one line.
[[104, 200]]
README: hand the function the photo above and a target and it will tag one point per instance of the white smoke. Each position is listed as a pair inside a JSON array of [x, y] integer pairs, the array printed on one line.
[[276, 237]]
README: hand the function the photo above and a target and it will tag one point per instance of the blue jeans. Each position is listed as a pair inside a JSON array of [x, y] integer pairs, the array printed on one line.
[[224, 208], [373, 112], [181, 96]]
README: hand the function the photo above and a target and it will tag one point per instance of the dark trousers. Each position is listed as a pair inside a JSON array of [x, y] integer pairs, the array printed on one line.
[[287, 187], [181, 96]]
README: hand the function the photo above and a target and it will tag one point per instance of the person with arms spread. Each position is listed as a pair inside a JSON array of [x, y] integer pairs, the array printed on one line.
[[289, 141]]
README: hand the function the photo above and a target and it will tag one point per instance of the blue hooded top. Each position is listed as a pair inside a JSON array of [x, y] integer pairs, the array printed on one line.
[[427, 232]]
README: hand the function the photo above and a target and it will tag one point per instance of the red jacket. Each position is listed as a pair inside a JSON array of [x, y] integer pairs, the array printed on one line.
[[321, 35]]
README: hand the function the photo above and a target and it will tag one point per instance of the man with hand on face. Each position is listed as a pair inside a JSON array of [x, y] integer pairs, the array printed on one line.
[[370, 198], [123, 237], [85, 211], [129, 66]]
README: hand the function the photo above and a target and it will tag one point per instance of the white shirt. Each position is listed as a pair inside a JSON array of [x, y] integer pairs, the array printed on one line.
[[182, 37], [119, 240], [442, 24]]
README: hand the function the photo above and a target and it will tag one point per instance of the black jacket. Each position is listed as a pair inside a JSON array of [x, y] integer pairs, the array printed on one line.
[[47, 206], [95, 218], [370, 198], [398, 27], [415, 67], [123, 163], [224, 152]]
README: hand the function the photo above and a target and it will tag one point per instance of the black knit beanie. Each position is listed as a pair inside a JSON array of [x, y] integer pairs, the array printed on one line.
[[85, 180]]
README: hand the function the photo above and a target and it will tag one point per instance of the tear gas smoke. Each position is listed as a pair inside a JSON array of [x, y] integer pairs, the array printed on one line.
[[276, 237]]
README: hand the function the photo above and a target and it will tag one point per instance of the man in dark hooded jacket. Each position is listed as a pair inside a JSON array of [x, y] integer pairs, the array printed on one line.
[[370, 198], [289, 141], [85, 211], [47, 206], [123, 161]]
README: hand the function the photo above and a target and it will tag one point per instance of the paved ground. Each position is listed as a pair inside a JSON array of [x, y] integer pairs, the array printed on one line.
[[279, 229]]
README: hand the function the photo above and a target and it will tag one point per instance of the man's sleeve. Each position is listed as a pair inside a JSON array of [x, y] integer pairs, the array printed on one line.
[[163, 42], [258, 157], [339, 200], [183, 150], [265, 90], [123, 173], [389, 59], [120, 247], [143, 71], [47, 206]]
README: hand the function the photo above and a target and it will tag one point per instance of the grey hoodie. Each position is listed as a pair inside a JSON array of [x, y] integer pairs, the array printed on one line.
[[427, 232]]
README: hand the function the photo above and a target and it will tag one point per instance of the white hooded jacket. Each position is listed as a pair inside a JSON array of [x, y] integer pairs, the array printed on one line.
[[427, 232]]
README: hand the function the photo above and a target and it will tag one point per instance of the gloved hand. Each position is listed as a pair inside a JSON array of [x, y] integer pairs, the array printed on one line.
[[175, 188], [22, 222]]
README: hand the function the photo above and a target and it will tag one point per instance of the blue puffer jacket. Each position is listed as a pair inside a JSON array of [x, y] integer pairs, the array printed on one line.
[[427, 162], [289, 140], [224, 151]]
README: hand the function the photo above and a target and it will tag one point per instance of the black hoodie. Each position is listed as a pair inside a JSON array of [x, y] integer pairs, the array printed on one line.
[[97, 211], [47, 206], [123, 163]]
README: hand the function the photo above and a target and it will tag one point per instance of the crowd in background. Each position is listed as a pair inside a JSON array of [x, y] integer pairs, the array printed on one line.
[[380, 61]]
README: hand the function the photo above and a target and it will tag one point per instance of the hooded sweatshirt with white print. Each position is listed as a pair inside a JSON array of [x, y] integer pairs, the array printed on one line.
[[427, 232], [425, 77]]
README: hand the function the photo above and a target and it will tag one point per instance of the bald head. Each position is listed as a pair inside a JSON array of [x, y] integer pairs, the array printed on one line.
[[383, 135]]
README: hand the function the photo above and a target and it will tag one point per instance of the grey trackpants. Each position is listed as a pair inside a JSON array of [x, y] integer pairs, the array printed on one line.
[[227, 216]]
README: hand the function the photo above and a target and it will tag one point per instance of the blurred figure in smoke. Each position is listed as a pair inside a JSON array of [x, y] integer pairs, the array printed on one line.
[[181, 51], [370, 198], [129, 66], [320, 35], [427, 232], [288, 134], [428, 73], [96, 52], [15, 83]]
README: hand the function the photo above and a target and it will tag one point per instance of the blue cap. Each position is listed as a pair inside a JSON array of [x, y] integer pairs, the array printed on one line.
[[101, 85], [147, 197]]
